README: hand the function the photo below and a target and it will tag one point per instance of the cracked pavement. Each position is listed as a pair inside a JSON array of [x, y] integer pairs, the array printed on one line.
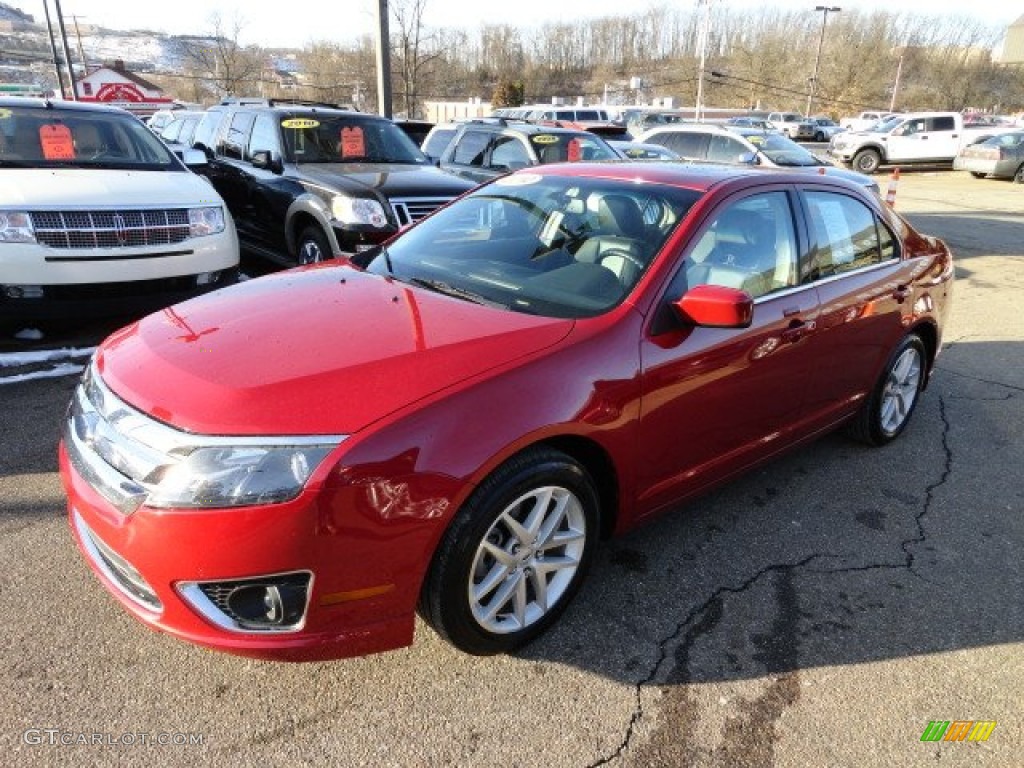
[[819, 611]]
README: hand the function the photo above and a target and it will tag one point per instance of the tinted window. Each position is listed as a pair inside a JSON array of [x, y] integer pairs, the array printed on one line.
[[438, 141], [471, 147], [264, 135], [587, 114], [945, 123], [688, 145], [238, 135], [509, 152], [724, 149], [206, 133], [846, 235]]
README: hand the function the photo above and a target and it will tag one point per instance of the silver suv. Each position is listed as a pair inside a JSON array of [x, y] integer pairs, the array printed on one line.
[[793, 124]]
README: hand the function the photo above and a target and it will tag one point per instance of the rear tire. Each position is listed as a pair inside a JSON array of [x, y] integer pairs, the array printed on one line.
[[887, 411], [977, 175], [515, 554]]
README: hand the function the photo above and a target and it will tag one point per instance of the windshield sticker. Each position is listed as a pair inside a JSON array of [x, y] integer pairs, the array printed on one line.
[[757, 141], [5, 114], [56, 142], [299, 123], [636, 153], [544, 138], [573, 152], [518, 179], [352, 143]]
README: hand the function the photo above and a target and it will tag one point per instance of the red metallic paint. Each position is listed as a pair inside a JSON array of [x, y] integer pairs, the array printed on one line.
[[435, 393], [716, 306]]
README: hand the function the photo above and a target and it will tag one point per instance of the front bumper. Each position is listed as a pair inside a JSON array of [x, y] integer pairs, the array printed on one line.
[[360, 601]]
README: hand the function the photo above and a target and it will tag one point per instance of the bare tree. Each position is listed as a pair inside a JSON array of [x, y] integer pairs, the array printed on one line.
[[414, 51], [231, 68]]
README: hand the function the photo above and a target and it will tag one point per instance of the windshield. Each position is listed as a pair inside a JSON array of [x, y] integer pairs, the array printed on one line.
[[553, 245], [782, 151], [55, 137], [884, 126], [571, 147], [348, 139]]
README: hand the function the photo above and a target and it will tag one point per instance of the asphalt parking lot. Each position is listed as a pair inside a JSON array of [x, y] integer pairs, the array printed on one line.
[[820, 611]]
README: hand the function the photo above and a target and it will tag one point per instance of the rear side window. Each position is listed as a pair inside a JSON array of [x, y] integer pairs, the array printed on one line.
[[687, 145], [944, 123], [847, 235], [206, 133], [438, 141]]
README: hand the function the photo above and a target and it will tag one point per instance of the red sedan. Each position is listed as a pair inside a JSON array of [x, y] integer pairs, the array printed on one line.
[[292, 467]]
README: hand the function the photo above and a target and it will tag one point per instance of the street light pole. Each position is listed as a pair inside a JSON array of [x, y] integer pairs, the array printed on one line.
[[702, 44], [825, 10]]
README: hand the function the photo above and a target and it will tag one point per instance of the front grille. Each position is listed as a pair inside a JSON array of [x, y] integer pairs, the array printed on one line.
[[129, 228], [412, 209], [122, 573]]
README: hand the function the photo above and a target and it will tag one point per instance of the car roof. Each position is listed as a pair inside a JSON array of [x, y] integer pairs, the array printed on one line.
[[44, 104], [700, 177]]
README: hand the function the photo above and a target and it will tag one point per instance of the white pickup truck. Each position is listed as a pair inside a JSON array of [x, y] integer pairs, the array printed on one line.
[[864, 120], [925, 138]]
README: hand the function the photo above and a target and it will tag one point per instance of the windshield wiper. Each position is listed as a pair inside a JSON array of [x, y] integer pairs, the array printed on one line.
[[439, 286]]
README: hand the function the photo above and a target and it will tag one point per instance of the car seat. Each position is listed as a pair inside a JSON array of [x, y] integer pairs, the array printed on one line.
[[618, 242]]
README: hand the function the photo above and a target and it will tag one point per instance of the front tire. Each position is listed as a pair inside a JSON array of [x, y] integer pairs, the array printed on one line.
[[867, 161], [886, 413], [819, 137], [515, 554], [977, 175], [312, 247]]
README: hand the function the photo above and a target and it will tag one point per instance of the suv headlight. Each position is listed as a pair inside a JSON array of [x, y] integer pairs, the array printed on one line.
[[358, 210], [16, 227], [233, 476], [205, 221]]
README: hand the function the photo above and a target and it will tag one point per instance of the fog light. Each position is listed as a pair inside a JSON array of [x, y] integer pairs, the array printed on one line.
[[265, 604], [23, 291]]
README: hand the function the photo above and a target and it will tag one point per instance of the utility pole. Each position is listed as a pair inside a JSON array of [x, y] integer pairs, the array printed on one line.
[[383, 60], [53, 48], [67, 51], [896, 85], [702, 48], [81, 50], [825, 10]]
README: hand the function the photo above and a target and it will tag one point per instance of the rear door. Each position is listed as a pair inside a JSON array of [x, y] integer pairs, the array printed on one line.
[[864, 287]]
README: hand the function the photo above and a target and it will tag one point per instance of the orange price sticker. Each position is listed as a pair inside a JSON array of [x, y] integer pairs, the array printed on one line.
[[56, 142], [573, 151], [352, 143]]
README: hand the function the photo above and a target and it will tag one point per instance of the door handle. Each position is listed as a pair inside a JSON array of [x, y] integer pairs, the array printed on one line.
[[901, 293], [797, 330]]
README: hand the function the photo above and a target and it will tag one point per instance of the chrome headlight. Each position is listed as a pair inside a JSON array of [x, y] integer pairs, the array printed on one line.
[[358, 210], [235, 475], [16, 227], [132, 459], [205, 221]]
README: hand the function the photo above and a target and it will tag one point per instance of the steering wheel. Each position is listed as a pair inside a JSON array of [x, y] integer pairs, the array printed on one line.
[[626, 256]]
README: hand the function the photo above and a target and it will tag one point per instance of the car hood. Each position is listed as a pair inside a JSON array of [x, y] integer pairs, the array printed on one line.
[[389, 180], [63, 188], [321, 350]]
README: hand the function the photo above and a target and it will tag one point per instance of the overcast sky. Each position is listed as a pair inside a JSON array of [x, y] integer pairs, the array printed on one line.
[[277, 25]]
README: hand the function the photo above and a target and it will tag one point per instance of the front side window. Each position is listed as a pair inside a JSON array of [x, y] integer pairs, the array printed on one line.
[[725, 149], [847, 235], [558, 246], [509, 153], [471, 148], [55, 137], [688, 145], [238, 135], [264, 136], [750, 245]]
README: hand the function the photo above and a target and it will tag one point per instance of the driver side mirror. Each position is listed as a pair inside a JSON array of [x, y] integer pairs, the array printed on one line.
[[268, 160], [715, 306]]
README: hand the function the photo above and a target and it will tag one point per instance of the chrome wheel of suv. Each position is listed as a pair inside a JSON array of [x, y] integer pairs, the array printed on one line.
[[313, 247]]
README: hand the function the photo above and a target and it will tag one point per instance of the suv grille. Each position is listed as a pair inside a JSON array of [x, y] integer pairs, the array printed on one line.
[[111, 229], [412, 209]]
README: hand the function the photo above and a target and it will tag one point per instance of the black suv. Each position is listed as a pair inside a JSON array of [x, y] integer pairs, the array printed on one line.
[[483, 149], [305, 182]]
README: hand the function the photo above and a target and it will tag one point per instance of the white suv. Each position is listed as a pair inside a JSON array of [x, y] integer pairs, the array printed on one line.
[[99, 218]]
